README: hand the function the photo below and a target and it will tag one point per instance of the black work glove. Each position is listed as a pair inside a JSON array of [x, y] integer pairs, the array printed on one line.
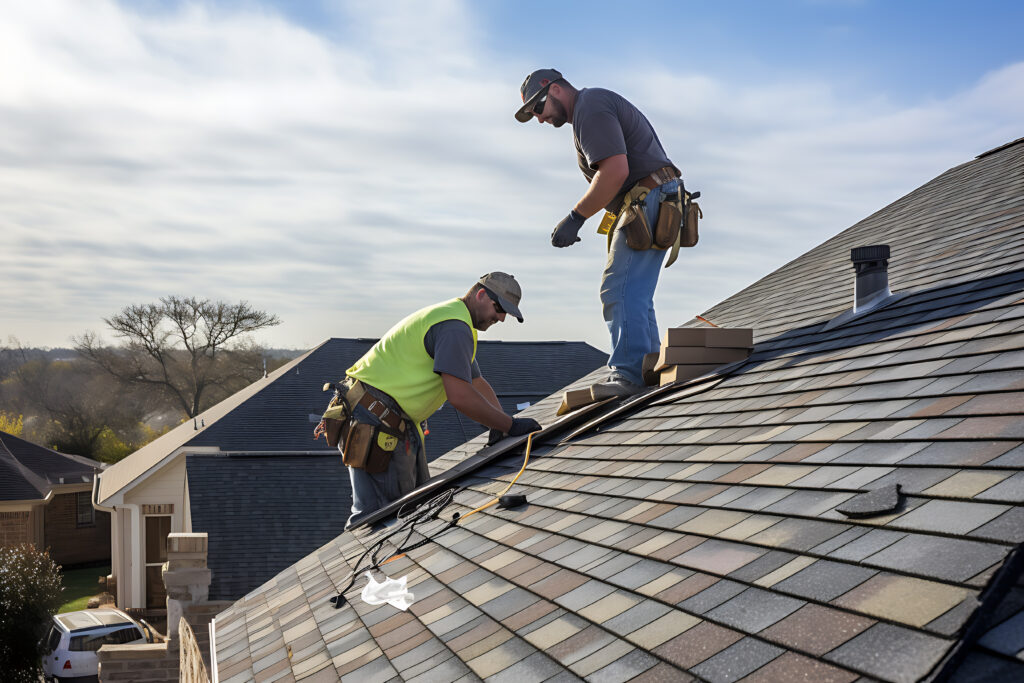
[[566, 233], [495, 436], [523, 425]]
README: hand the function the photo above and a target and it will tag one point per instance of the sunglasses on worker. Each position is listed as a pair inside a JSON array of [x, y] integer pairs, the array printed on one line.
[[538, 106], [494, 300]]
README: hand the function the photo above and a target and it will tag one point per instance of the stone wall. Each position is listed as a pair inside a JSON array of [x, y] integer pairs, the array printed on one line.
[[70, 543], [14, 528], [150, 663]]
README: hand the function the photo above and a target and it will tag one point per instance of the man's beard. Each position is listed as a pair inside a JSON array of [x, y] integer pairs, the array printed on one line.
[[479, 324], [560, 115]]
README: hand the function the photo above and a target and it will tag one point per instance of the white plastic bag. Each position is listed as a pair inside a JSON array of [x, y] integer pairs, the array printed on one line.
[[391, 591]]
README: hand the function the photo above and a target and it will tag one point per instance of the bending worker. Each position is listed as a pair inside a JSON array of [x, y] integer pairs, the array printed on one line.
[[425, 359], [618, 151]]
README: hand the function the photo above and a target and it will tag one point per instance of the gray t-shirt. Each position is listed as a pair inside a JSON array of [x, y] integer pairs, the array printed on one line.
[[450, 344], [604, 124]]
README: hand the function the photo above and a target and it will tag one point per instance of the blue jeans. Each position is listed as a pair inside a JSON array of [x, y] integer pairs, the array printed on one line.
[[406, 471], [627, 295]]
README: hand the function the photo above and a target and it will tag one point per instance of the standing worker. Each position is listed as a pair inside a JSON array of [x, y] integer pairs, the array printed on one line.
[[623, 160], [425, 359]]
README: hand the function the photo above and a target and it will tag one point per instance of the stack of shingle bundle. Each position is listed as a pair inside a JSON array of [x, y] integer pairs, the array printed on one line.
[[689, 352]]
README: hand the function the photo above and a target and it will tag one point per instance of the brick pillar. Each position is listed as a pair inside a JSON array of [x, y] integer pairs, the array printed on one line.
[[186, 578]]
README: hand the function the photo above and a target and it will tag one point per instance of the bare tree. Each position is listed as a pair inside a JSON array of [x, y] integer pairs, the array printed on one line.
[[192, 350]]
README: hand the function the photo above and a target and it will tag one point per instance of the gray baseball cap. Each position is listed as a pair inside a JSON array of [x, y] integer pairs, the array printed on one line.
[[506, 290], [530, 90]]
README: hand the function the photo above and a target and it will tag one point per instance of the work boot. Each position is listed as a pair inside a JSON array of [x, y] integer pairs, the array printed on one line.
[[615, 386]]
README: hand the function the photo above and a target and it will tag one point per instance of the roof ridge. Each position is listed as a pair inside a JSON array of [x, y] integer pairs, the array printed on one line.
[[34, 480], [1000, 148]]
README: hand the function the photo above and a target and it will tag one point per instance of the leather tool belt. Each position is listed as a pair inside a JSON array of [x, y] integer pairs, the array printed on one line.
[[676, 223], [363, 445], [660, 177]]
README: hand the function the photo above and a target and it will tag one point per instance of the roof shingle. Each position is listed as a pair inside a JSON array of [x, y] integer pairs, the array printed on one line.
[[694, 531]]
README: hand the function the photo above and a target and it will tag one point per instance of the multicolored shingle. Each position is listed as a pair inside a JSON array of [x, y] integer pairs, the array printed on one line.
[[694, 533]]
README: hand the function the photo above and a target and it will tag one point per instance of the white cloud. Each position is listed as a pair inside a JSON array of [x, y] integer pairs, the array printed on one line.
[[341, 184]]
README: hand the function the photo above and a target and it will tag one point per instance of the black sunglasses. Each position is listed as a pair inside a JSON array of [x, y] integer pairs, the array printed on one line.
[[538, 106], [494, 299]]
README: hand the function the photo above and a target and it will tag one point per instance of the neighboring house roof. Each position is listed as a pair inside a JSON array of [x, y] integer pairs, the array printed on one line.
[[303, 501], [29, 471], [128, 471], [278, 413], [264, 512], [694, 533]]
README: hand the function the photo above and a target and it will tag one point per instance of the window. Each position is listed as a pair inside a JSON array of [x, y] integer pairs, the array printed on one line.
[[53, 639], [94, 641], [86, 513]]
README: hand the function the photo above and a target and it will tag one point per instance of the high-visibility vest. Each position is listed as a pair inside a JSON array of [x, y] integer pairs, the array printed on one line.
[[400, 366]]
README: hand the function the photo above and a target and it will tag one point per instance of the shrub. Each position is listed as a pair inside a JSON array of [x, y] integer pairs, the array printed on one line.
[[29, 595]]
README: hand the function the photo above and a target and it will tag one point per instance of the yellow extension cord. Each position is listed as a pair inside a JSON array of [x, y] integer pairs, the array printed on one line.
[[526, 459]]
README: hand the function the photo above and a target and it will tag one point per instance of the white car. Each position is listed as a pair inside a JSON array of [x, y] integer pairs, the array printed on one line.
[[69, 651]]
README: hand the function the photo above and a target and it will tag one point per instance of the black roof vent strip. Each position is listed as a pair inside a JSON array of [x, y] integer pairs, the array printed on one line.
[[483, 457], [579, 421]]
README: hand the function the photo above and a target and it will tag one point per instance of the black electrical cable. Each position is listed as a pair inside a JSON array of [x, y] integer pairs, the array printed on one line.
[[407, 523], [427, 512]]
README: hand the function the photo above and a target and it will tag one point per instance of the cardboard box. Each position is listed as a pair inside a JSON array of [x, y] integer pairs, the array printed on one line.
[[698, 355], [679, 373], [576, 398], [715, 337], [648, 369]]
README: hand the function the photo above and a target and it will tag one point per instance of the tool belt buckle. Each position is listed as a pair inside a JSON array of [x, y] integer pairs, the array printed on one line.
[[374, 405]]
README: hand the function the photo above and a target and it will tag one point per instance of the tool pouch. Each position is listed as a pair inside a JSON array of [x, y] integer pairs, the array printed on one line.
[[691, 213], [334, 421], [367, 447], [638, 231], [355, 449], [333, 431], [670, 219]]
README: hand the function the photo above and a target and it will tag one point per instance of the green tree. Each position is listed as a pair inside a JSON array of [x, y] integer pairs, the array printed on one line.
[[30, 589], [194, 351], [12, 424]]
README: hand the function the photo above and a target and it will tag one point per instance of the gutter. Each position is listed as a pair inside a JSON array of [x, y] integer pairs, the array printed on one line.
[[95, 493]]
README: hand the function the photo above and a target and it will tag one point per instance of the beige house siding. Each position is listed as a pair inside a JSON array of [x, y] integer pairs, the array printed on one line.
[[160, 493]]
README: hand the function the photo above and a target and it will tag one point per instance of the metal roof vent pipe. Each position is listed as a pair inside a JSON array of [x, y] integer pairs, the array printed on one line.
[[872, 267], [871, 289]]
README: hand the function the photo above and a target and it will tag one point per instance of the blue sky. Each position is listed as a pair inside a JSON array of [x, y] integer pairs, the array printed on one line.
[[340, 165]]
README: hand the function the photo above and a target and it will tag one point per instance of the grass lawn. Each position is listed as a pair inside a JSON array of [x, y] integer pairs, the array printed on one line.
[[80, 585]]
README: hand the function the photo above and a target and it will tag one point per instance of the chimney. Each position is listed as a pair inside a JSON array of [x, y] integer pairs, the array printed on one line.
[[872, 267]]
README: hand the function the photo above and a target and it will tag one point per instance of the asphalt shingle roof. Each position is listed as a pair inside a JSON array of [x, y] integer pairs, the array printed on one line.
[[27, 470], [693, 533], [264, 511]]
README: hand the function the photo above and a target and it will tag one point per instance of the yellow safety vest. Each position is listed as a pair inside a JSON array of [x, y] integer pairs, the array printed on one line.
[[400, 366]]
